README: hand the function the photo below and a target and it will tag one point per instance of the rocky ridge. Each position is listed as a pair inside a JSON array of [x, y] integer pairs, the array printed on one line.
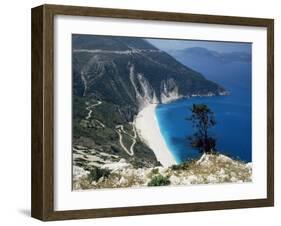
[[109, 171]]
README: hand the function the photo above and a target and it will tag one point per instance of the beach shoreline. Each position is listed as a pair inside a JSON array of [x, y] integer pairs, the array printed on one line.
[[149, 131]]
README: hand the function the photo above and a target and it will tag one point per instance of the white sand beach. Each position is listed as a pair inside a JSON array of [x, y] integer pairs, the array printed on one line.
[[148, 130]]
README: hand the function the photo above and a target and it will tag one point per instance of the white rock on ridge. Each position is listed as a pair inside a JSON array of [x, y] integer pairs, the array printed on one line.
[[117, 165], [162, 170], [190, 179], [123, 181], [175, 180], [79, 172], [212, 179], [209, 169]]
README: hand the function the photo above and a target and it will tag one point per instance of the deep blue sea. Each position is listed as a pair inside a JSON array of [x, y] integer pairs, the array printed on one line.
[[232, 113]]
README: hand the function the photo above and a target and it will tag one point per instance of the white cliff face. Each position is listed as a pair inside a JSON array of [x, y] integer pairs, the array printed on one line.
[[169, 91], [147, 94]]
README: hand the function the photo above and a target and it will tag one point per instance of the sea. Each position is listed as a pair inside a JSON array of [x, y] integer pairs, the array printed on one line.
[[233, 114]]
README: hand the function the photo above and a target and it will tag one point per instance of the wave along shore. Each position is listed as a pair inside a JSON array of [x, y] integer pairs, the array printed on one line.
[[148, 130]]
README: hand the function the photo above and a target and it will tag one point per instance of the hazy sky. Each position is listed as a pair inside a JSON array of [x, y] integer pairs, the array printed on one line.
[[168, 44]]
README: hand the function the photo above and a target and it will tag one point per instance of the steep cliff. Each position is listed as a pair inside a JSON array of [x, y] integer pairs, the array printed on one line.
[[132, 72]]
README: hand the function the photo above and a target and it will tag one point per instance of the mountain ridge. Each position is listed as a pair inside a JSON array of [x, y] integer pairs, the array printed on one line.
[[139, 69], [225, 57]]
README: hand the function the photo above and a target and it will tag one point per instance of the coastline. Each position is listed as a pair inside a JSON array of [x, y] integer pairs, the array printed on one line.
[[148, 130]]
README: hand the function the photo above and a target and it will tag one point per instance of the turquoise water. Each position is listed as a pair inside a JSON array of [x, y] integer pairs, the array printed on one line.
[[233, 129]]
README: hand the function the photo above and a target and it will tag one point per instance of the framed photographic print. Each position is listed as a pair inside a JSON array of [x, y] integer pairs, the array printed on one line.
[[141, 112]]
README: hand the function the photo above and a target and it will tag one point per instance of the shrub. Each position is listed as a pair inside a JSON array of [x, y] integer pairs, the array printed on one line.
[[96, 173], [177, 167], [182, 166], [159, 180], [155, 171]]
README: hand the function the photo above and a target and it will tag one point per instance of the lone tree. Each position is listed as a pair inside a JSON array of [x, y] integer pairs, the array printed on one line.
[[202, 119]]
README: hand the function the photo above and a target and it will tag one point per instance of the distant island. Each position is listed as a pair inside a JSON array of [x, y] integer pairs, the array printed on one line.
[[118, 82]]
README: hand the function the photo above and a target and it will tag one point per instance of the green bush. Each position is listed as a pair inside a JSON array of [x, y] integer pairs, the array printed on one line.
[[159, 180], [176, 167], [96, 173], [155, 171], [182, 166]]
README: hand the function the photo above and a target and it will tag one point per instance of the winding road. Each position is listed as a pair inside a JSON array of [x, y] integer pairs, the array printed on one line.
[[121, 129], [90, 113], [125, 52], [90, 110]]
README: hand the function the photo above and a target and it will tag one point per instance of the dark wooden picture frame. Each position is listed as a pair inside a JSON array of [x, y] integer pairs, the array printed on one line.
[[42, 203]]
